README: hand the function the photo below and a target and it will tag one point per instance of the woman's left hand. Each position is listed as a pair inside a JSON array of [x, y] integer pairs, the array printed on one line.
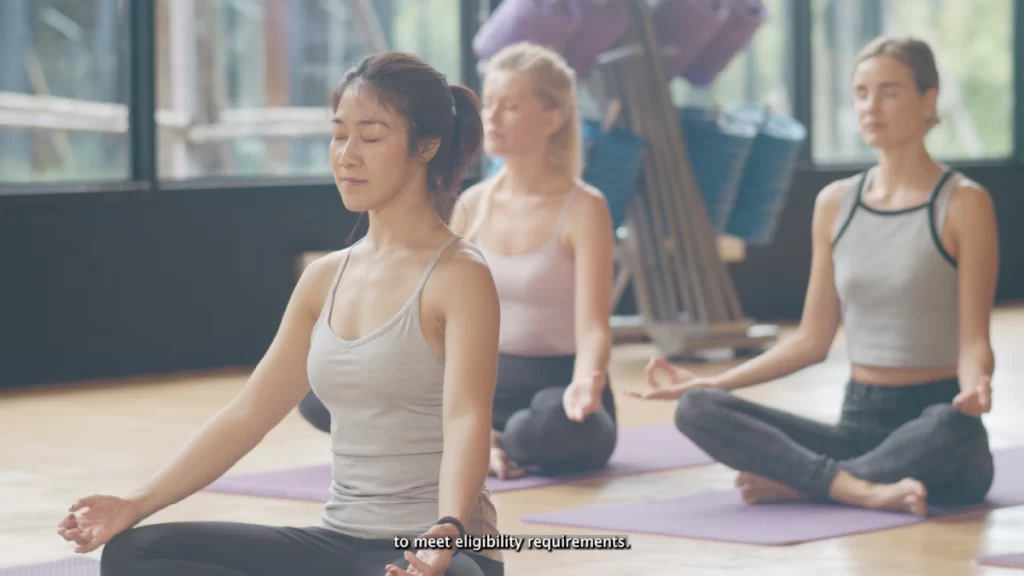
[[583, 397], [428, 561]]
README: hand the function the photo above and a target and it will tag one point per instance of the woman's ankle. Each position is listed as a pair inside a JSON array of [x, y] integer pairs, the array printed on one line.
[[849, 489]]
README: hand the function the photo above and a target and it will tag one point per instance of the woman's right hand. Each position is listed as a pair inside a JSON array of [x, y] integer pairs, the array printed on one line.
[[94, 520], [680, 381], [501, 465]]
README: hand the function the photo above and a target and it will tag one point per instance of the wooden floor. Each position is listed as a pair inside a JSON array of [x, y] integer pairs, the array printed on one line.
[[61, 443]]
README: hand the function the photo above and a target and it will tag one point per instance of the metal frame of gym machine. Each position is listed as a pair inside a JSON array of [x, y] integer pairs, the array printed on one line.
[[688, 306]]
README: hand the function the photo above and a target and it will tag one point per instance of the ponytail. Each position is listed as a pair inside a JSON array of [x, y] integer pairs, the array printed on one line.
[[454, 159]]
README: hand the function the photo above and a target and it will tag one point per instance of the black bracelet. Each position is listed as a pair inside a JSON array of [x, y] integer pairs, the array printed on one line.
[[458, 525]]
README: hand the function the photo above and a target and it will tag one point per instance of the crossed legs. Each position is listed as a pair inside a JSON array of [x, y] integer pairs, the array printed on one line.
[[531, 428], [890, 462], [236, 549]]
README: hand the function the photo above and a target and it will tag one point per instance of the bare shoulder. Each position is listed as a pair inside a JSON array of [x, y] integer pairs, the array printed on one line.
[[968, 195], [590, 204], [591, 195], [463, 273], [466, 206], [830, 198], [315, 281], [829, 201]]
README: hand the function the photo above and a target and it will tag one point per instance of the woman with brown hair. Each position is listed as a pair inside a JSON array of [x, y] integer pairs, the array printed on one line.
[[397, 334], [905, 257]]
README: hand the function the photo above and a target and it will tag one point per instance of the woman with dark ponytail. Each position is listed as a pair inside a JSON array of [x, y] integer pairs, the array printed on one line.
[[397, 335]]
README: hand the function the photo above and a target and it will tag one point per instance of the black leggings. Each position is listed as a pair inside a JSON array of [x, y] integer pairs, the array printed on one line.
[[528, 412], [885, 434], [535, 431], [234, 549], [314, 411]]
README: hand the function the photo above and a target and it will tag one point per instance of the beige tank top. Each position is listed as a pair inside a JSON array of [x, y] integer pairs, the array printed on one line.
[[384, 392]]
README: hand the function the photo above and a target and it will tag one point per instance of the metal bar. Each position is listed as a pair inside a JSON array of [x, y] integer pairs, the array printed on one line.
[[801, 73], [142, 102], [1018, 79]]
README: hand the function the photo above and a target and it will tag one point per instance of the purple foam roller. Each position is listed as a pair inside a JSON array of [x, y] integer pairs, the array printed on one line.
[[603, 23], [745, 17], [684, 28], [548, 23]]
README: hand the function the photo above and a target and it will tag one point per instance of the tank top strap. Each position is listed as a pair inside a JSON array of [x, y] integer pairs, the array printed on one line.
[[565, 210], [851, 200], [939, 202], [329, 300], [433, 263]]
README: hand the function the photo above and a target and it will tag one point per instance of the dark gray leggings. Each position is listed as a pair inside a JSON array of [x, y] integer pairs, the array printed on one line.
[[528, 412], [234, 549], [885, 434], [535, 431]]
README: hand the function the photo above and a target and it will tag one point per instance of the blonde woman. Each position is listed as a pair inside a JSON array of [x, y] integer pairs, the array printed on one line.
[[548, 240]]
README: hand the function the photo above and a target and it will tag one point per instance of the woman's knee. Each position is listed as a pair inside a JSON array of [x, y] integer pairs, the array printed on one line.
[[548, 400], [696, 405], [950, 425], [123, 553], [544, 433]]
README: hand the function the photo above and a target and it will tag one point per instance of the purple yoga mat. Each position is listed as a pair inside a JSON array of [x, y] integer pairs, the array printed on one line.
[[546, 22], [74, 566], [307, 483], [684, 28], [722, 516], [639, 450], [1002, 561], [745, 17], [602, 25]]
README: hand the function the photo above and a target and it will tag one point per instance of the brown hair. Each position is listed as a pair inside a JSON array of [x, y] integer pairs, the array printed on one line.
[[914, 53], [410, 87]]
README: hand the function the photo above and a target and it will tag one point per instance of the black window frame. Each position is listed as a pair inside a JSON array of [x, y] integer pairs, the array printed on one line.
[[143, 177]]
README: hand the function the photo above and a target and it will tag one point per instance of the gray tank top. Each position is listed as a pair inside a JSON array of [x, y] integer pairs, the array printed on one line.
[[897, 285], [384, 392]]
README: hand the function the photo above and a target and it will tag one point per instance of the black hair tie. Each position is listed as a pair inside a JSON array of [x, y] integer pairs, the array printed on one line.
[[458, 525]]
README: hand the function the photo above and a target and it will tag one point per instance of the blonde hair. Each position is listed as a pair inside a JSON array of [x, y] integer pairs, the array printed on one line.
[[554, 84]]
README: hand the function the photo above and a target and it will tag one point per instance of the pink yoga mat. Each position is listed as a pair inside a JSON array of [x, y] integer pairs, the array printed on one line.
[[74, 566], [1002, 561], [639, 450], [722, 516]]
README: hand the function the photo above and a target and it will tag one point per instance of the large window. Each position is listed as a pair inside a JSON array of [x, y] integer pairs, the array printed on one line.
[[243, 85], [973, 44], [759, 74], [63, 91]]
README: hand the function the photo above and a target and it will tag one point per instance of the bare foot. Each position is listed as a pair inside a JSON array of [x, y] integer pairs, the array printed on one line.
[[755, 489], [907, 495], [503, 467]]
